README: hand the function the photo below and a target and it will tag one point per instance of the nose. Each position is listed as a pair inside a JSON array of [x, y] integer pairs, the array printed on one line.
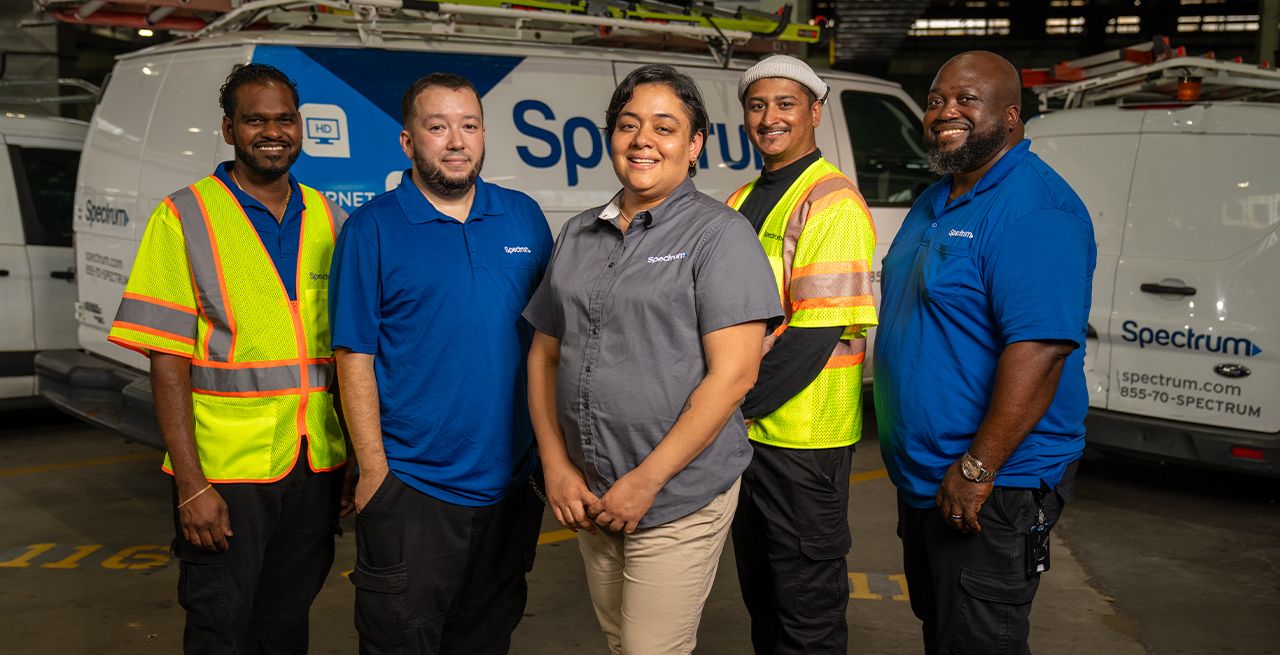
[[767, 116], [950, 109], [455, 141], [642, 139]]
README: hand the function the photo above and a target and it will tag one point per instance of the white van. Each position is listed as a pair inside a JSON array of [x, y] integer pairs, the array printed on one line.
[[38, 161], [1185, 327], [157, 130]]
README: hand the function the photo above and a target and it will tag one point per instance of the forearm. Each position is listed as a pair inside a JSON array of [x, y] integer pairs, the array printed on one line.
[[1026, 380], [733, 360], [171, 390], [360, 408], [544, 360]]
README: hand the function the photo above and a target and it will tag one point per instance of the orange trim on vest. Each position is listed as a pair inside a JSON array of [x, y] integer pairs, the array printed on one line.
[[264, 394], [172, 208], [262, 364], [162, 303], [837, 301], [829, 268], [845, 361]]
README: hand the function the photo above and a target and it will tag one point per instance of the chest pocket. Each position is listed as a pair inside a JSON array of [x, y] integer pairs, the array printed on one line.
[[517, 273], [951, 269]]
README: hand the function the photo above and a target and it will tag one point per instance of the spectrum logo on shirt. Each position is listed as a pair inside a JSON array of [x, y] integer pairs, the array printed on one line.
[[960, 233], [511, 250], [668, 258]]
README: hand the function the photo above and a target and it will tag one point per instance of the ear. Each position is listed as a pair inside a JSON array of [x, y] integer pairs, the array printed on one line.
[[406, 144], [226, 131], [695, 148], [815, 112], [1013, 116]]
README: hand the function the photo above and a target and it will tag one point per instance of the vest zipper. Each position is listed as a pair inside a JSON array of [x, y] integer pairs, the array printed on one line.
[[305, 391]]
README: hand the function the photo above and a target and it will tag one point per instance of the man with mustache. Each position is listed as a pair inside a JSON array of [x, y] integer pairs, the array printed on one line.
[[791, 531], [228, 299], [428, 284], [979, 374]]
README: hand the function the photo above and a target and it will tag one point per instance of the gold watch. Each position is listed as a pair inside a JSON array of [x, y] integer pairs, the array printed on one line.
[[972, 470]]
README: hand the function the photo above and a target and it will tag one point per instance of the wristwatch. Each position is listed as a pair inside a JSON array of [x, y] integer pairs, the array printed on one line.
[[972, 470]]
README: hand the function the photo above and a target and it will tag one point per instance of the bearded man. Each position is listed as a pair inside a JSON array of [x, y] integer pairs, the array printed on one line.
[[426, 291], [979, 363]]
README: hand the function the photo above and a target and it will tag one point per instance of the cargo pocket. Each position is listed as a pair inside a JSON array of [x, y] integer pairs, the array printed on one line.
[[202, 592], [382, 612], [994, 611], [822, 583]]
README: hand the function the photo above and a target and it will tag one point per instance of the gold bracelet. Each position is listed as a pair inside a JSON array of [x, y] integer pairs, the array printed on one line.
[[195, 495]]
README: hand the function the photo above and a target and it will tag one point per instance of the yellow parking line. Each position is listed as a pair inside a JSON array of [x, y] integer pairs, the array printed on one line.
[[78, 464], [867, 476], [556, 536]]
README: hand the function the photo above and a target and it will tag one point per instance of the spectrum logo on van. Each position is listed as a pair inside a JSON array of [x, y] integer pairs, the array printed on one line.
[[1188, 340]]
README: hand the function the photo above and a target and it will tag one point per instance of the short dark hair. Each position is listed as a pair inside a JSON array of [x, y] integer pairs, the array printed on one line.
[[252, 74], [680, 84], [446, 80]]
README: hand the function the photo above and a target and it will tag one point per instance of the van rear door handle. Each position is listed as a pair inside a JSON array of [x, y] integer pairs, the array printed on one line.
[[69, 274], [4, 272], [1167, 290]]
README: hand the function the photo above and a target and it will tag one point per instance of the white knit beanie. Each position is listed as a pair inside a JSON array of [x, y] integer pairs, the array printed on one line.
[[784, 66]]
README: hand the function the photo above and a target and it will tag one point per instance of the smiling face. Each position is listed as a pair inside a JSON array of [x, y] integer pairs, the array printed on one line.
[[780, 118], [653, 146], [971, 116], [445, 140], [266, 131]]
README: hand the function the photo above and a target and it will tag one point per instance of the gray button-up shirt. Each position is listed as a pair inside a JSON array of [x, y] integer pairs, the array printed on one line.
[[630, 311]]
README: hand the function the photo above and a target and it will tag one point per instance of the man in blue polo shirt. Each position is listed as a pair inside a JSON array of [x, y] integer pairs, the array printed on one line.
[[426, 290], [979, 363]]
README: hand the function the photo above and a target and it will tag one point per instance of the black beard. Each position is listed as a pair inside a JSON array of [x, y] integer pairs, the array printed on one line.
[[269, 174], [977, 149], [440, 183]]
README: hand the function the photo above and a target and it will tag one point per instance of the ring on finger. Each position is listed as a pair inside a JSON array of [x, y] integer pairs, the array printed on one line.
[[956, 517]]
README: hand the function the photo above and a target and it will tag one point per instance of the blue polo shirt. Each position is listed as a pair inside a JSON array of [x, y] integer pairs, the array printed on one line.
[[1011, 260], [280, 238], [438, 302]]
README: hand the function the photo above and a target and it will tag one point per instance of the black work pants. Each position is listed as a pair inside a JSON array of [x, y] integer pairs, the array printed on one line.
[[972, 591], [434, 578], [256, 596], [790, 538]]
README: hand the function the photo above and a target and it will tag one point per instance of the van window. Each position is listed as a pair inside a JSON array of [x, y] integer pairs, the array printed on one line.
[[892, 166], [46, 183]]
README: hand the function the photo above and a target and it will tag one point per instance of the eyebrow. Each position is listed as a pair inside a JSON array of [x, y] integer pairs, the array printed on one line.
[[781, 96], [632, 114], [474, 117]]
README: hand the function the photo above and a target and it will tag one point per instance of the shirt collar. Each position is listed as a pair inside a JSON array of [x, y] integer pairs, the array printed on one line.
[[791, 172], [993, 176], [296, 202], [418, 209], [654, 215]]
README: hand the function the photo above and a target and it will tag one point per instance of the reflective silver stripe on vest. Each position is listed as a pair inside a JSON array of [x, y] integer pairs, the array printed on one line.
[[320, 375], [245, 380], [337, 216], [258, 379], [195, 231], [157, 317]]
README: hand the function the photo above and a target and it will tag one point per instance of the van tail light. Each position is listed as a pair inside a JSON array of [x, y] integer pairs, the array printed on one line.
[[1188, 89], [1247, 453]]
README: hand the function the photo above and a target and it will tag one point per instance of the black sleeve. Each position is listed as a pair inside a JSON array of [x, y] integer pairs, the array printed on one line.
[[795, 360]]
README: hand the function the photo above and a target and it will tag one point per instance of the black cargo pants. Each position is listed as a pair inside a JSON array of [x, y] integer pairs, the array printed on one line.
[[790, 538]]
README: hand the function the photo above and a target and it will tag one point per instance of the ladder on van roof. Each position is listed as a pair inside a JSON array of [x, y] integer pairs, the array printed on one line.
[[566, 22], [1151, 73]]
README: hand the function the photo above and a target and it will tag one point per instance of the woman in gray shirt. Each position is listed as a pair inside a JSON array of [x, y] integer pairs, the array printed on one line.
[[649, 321]]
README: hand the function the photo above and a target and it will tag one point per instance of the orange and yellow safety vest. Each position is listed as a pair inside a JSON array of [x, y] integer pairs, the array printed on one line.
[[204, 287], [820, 240]]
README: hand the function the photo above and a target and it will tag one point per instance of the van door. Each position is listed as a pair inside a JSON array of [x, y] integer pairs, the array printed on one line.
[[17, 341], [1094, 151], [45, 177], [1197, 303]]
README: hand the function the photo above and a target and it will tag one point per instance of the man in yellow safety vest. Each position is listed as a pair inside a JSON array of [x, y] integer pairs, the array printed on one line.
[[229, 300], [791, 532]]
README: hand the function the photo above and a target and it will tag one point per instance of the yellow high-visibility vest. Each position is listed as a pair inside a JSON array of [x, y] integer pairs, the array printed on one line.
[[204, 287], [820, 240]]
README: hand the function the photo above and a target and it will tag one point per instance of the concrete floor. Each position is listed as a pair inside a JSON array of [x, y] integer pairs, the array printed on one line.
[[1147, 559]]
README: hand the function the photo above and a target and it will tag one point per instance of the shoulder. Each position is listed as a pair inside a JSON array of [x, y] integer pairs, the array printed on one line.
[[365, 217], [512, 199], [1038, 187]]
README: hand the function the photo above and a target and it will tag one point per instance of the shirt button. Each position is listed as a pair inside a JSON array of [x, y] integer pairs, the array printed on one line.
[[588, 368], [610, 264], [595, 331], [935, 225]]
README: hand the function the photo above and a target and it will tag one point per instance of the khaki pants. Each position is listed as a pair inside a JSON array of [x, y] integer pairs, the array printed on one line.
[[649, 587]]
